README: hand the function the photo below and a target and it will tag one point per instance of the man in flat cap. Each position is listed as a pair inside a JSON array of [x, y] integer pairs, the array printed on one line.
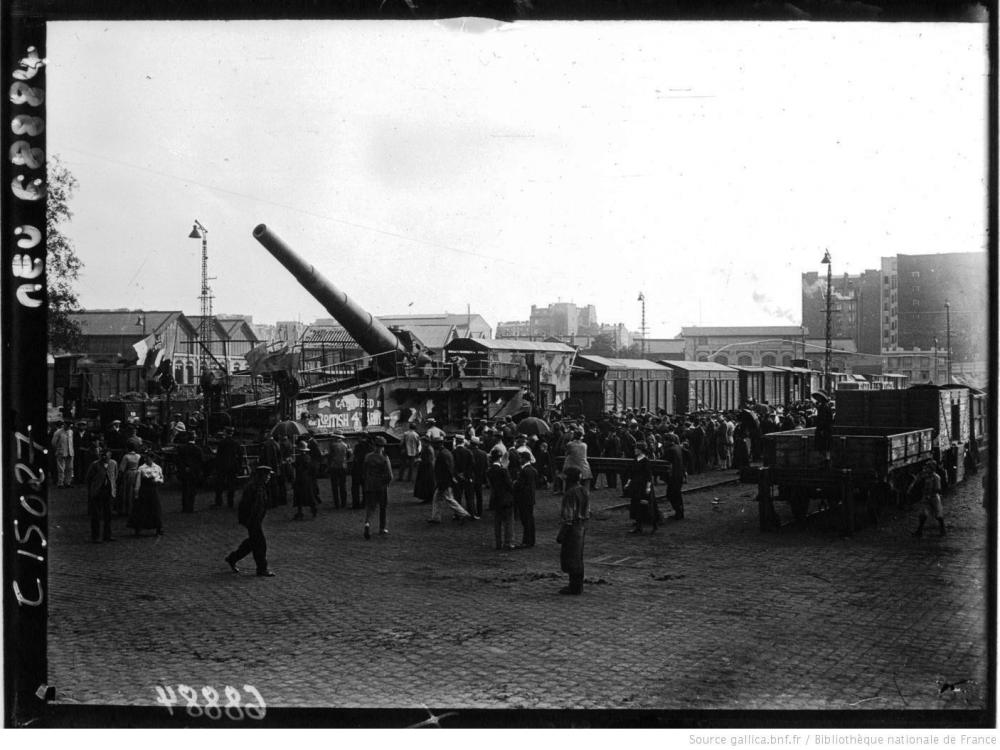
[[250, 513]]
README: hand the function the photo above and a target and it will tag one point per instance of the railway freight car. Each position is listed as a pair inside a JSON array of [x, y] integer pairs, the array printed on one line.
[[601, 384], [796, 384], [703, 385], [761, 384], [956, 414]]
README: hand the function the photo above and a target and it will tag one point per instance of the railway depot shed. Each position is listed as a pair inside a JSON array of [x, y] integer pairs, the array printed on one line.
[[602, 384], [703, 385]]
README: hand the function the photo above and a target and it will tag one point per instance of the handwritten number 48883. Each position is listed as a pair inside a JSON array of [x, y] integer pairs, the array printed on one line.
[[188, 697]]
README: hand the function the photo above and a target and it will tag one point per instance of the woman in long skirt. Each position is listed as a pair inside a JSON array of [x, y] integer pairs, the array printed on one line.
[[575, 512], [128, 470], [423, 486], [146, 511]]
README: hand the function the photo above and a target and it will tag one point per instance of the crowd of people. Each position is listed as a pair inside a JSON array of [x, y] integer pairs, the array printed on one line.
[[501, 462]]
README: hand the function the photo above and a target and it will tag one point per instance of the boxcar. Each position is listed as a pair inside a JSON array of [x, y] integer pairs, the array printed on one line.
[[602, 384], [703, 385]]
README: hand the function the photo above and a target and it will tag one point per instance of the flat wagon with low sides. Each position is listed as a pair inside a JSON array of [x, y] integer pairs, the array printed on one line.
[[871, 465]]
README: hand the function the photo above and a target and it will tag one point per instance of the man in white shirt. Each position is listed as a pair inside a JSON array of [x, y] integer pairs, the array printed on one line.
[[434, 433], [410, 452], [62, 445]]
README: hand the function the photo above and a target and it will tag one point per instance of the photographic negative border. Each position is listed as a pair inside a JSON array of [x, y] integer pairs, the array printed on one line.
[[24, 369]]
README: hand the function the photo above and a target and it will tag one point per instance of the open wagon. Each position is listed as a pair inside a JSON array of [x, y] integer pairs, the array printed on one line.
[[870, 464]]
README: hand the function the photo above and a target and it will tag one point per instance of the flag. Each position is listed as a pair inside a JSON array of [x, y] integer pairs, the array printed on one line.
[[142, 347]]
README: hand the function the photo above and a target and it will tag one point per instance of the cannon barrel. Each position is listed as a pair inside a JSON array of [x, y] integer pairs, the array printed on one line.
[[370, 333]]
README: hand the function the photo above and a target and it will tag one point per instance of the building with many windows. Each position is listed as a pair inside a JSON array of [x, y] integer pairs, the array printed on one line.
[[929, 301], [744, 345], [854, 307]]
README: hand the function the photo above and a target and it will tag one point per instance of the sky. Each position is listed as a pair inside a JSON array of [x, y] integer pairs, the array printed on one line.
[[440, 166]]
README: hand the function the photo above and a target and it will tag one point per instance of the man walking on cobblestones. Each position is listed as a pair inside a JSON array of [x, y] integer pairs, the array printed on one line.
[[377, 476], [251, 512], [444, 482], [929, 485]]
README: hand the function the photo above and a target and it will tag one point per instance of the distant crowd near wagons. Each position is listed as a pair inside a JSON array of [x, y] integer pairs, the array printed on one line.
[[406, 378]]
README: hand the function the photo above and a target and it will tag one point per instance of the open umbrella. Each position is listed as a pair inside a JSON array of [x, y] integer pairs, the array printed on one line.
[[533, 426], [289, 429]]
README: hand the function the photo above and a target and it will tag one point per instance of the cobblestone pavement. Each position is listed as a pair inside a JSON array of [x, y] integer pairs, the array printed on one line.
[[708, 613]]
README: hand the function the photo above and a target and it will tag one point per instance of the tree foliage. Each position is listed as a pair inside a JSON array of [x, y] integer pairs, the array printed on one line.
[[61, 262], [602, 345]]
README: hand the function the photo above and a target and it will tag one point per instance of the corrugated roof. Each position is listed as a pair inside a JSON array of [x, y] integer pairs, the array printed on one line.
[[328, 335], [514, 345], [756, 368], [621, 364], [696, 366], [123, 322]]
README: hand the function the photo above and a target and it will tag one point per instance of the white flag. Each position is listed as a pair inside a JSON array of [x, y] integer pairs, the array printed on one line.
[[141, 347]]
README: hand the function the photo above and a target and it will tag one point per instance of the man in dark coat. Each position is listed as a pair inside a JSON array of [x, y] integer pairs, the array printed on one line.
[[639, 488], [377, 476], [227, 467], [362, 449], [480, 463], [573, 531], [102, 483], [524, 498], [444, 484], [501, 499], [675, 458], [463, 476], [188, 471], [270, 455], [695, 436], [612, 448], [252, 509], [824, 424]]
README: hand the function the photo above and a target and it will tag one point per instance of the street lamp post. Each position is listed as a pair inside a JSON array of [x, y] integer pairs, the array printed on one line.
[[642, 328], [829, 312], [947, 317]]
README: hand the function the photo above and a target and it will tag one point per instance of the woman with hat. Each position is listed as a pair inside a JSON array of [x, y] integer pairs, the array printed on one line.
[[423, 486], [303, 486], [128, 471], [146, 511]]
